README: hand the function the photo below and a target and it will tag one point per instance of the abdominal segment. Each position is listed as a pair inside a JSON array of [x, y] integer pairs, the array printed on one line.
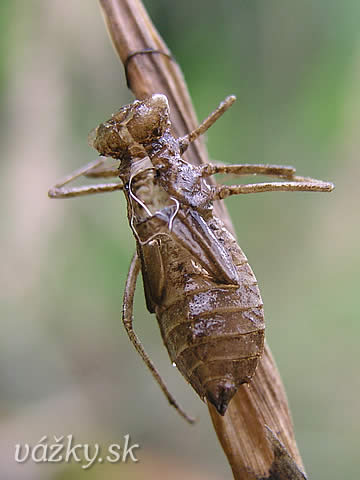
[[211, 325], [215, 338]]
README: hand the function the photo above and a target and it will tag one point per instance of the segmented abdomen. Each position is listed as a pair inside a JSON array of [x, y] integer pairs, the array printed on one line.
[[214, 333]]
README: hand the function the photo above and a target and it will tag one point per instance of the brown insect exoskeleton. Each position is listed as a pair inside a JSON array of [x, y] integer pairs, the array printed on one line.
[[196, 278]]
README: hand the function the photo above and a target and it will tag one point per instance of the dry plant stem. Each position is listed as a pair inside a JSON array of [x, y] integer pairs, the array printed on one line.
[[252, 452]]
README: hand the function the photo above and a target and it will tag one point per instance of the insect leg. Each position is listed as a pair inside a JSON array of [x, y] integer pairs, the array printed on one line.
[[61, 192], [127, 318], [298, 184], [104, 172], [280, 171], [185, 141], [96, 167]]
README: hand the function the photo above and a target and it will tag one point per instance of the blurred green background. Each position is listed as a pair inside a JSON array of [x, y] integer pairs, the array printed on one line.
[[65, 362]]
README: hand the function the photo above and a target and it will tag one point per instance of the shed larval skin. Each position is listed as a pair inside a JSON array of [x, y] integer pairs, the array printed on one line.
[[196, 278]]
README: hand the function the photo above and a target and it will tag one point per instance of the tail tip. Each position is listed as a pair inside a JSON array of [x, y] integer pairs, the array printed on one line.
[[220, 394]]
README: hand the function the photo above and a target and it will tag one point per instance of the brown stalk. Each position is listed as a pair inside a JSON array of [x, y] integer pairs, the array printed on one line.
[[256, 433]]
